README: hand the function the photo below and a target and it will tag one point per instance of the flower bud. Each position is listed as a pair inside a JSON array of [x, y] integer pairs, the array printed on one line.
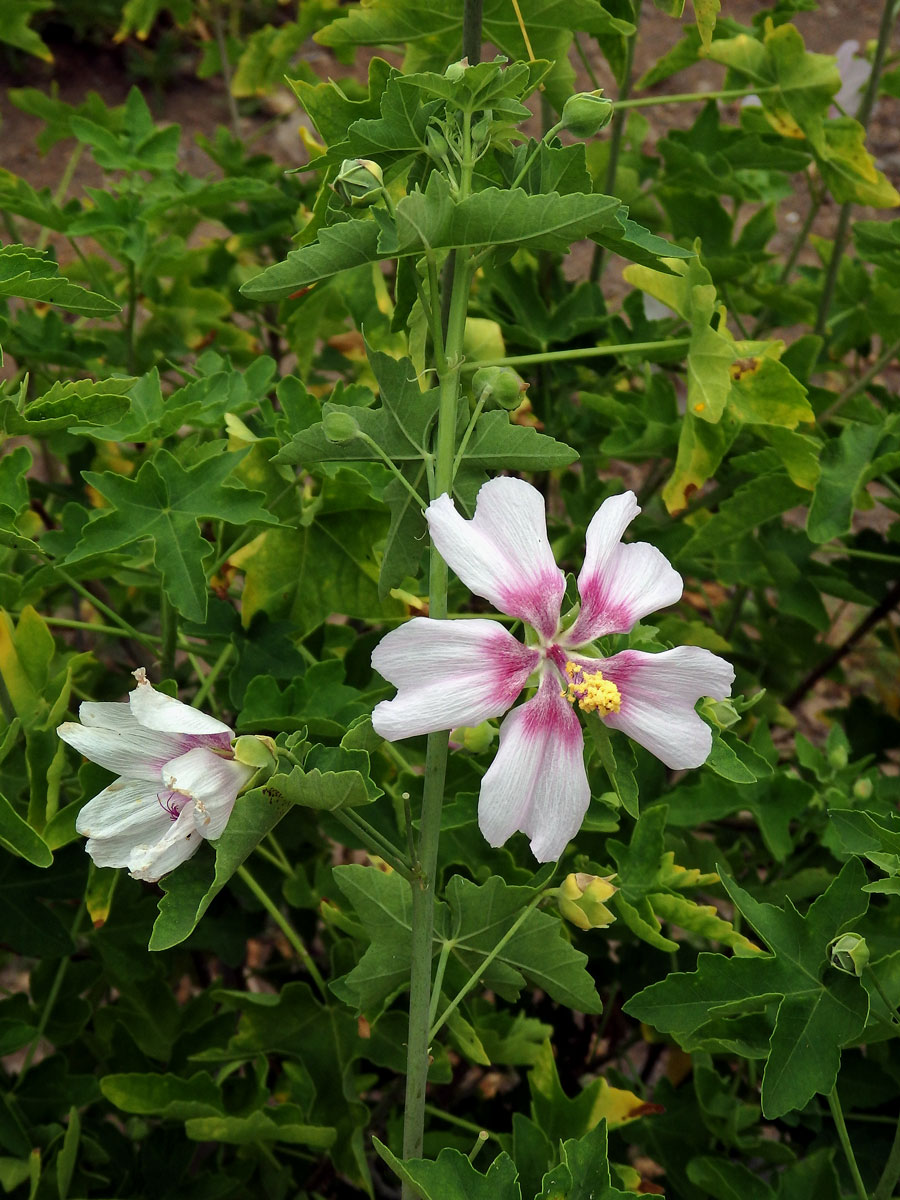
[[340, 427], [435, 143], [581, 900], [849, 953], [456, 70], [863, 789], [359, 182], [838, 757], [256, 750], [504, 386], [481, 130], [474, 738], [586, 113]]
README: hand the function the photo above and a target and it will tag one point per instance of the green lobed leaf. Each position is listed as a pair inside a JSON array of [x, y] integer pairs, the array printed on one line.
[[452, 1177], [164, 502], [819, 1010], [29, 274]]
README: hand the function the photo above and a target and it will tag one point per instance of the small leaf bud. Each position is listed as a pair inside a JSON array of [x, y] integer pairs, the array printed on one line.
[[504, 386], [586, 113], [359, 182], [340, 427], [581, 900], [849, 953]]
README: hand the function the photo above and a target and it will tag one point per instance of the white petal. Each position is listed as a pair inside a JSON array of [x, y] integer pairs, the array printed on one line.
[[503, 553], [125, 814], [132, 751], [537, 782], [212, 781], [154, 710], [448, 673], [126, 805], [659, 692], [619, 583], [178, 843]]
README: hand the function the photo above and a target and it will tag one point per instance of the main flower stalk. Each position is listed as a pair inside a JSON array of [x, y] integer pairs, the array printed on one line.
[[449, 360]]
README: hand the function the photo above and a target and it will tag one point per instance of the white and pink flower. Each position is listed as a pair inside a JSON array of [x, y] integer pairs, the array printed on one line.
[[178, 780], [462, 672]]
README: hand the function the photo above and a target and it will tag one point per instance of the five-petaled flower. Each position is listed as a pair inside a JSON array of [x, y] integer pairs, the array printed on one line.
[[178, 780], [462, 672]]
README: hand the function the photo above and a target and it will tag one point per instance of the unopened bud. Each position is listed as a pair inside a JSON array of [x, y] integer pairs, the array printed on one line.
[[456, 70], [359, 182], [863, 789], [849, 953], [581, 899], [435, 142], [474, 738], [586, 113], [340, 427], [504, 386], [838, 757], [481, 130], [256, 750]]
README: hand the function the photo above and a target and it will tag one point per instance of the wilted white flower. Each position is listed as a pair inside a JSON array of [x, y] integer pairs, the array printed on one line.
[[178, 779]]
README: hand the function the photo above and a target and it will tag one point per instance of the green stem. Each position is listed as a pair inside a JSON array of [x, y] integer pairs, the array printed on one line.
[[617, 131], [168, 620], [523, 171], [392, 467], [888, 1003], [586, 63], [149, 641], [439, 979], [473, 979], [884, 1188], [523, 360], [459, 1122], [464, 441], [471, 30], [838, 1116], [131, 317], [684, 97], [50, 1002], [888, 14], [266, 853], [222, 45], [212, 675], [864, 380], [286, 928], [373, 841], [91, 627], [62, 189], [873, 555], [425, 867]]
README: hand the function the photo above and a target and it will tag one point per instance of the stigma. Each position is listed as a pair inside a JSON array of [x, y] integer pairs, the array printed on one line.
[[590, 691]]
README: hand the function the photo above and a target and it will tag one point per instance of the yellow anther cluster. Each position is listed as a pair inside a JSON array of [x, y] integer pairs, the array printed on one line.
[[590, 691]]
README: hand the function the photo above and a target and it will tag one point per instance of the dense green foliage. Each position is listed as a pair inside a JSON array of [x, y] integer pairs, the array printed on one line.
[[227, 399]]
